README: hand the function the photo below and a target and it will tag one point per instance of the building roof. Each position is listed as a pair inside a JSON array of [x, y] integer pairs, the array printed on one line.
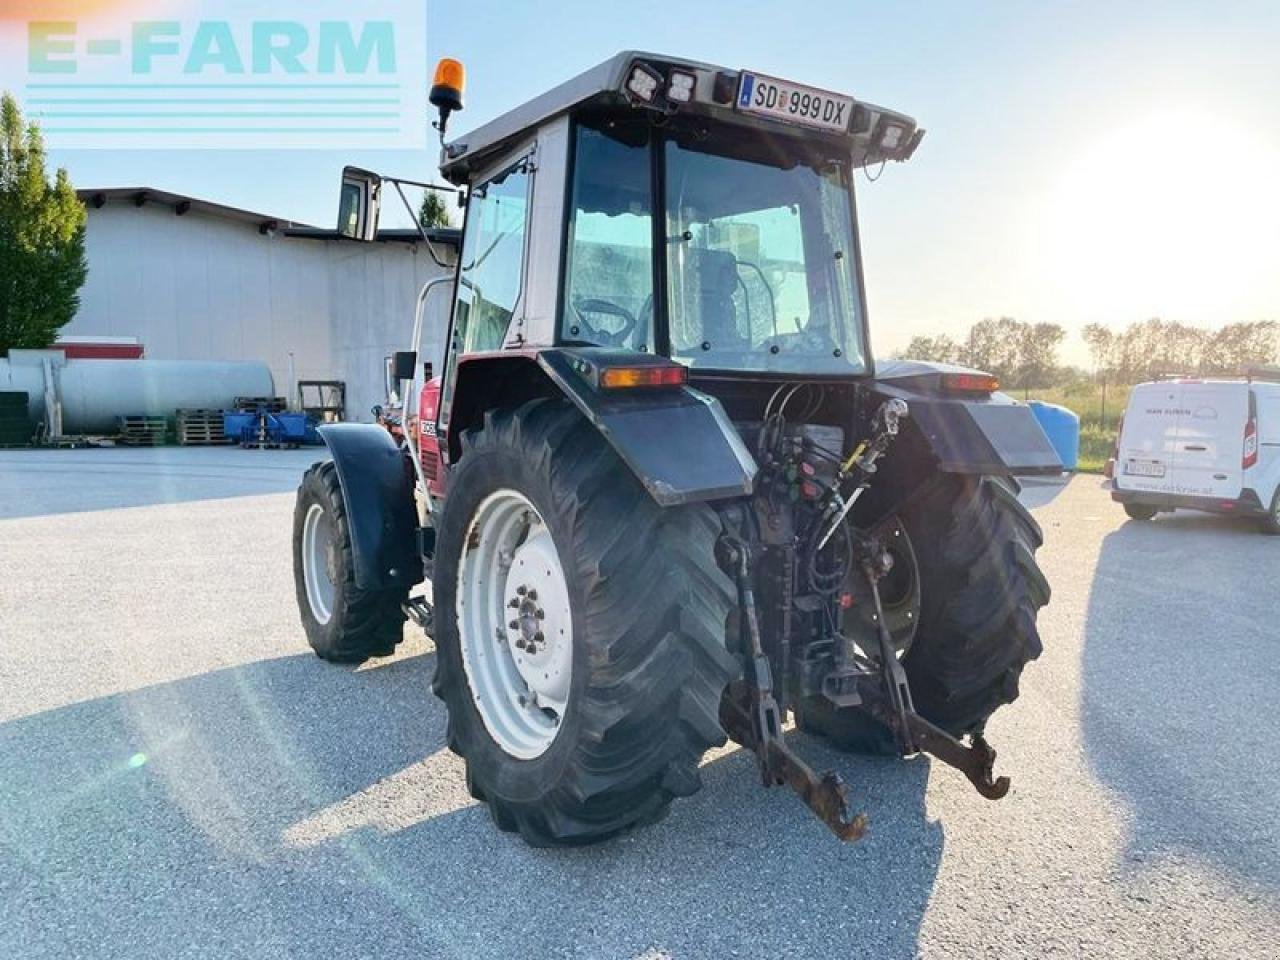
[[182, 204]]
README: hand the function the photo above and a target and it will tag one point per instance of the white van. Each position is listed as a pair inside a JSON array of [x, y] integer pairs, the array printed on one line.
[[1201, 445]]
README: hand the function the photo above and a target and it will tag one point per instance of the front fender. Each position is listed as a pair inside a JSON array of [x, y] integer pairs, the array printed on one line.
[[377, 490]]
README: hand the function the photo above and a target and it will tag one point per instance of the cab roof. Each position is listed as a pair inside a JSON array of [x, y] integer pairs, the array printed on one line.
[[603, 84]]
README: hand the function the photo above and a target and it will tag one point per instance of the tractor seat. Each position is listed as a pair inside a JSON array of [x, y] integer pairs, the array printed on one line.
[[712, 276]]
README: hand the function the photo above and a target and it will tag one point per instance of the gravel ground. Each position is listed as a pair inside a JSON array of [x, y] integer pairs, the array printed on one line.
[[179, 777]]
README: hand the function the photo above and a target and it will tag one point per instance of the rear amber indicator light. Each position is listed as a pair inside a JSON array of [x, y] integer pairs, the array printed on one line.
[[970, 382], [624, 378]]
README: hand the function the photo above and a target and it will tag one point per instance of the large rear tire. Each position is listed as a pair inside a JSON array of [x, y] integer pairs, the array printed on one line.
[[980, 591], [344, 624], [1140, 512], [580, 630]]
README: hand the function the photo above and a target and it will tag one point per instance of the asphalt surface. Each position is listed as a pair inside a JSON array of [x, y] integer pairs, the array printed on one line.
[[180, 777]]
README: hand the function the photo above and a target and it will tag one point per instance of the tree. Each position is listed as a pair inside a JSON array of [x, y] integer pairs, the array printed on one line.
[[1038, 353], [42, 261], [939, 349], [435, 211], [1238, 345], [995, 346], [1102, 347]]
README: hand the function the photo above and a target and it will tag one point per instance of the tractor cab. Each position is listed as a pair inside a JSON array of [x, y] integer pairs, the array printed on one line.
[[693, 212]]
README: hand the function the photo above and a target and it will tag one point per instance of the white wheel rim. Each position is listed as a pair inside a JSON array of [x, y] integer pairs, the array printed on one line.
[[318, 561], [514, 624]]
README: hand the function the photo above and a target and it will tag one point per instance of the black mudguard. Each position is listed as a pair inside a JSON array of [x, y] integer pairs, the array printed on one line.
[[377, 489], [678, 442], [966, 434]]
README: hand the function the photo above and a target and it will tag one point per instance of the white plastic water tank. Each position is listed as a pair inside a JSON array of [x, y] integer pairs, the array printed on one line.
[[95, 393]]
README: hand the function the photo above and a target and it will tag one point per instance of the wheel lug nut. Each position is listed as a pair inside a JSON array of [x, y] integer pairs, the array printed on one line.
[[514, 624], [539, 638], [539, 614], [514, 604], [533, 594], [521, 590]]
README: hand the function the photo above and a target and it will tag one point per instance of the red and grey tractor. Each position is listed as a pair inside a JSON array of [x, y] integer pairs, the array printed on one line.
[[661, 494]]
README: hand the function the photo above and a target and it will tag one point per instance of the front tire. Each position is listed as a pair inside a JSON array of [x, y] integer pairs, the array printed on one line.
[[1271, 524], [630, 609], [980, 592], [344, 624]]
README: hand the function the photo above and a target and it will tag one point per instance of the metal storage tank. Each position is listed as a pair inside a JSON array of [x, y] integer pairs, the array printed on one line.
[[94, 393], [1062, 426]]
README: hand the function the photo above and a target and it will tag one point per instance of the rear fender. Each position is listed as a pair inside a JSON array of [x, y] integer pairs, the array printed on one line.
[[377, 490], [969, 434], [679, 443]]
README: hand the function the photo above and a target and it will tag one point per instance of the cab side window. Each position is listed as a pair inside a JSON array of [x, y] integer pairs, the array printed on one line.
[[608, 290]]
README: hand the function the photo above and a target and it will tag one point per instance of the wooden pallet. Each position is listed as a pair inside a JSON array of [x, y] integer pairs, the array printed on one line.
[[200, 428], [143, 431]]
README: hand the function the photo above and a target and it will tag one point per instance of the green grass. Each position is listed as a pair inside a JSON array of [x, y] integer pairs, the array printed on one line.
[[1098, 424]]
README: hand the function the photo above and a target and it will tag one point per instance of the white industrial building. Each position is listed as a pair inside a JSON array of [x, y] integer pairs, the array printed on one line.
[[193, 280]]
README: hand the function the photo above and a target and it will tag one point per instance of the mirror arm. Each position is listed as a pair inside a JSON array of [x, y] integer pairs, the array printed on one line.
[[417, 222]]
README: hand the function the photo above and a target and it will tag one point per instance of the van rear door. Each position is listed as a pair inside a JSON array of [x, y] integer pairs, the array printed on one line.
[[1210, 440], [1148, 442]]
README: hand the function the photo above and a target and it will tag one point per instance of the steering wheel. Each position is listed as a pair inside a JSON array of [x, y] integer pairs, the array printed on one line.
[[611, 338]]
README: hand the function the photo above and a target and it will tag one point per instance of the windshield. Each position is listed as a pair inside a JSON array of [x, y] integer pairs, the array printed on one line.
[[760, 265]]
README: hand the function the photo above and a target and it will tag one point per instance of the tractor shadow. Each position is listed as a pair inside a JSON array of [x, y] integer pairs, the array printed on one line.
[[291, 808], [1179, 680]]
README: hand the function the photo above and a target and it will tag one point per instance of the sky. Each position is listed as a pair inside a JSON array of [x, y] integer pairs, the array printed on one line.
[[1085, 162]]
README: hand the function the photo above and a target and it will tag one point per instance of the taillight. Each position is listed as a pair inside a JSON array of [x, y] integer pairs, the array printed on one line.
[[629, 377], [1250, 443], [970, 382]]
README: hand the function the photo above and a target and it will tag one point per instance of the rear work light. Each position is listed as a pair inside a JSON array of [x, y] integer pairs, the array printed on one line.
[[647, 375], [643, 82], [970, 382]]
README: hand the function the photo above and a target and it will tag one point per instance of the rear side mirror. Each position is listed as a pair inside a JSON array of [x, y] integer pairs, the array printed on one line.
[[403, 365], [359, 204]]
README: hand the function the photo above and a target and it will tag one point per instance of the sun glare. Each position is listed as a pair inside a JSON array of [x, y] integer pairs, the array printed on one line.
[[1175, 214]]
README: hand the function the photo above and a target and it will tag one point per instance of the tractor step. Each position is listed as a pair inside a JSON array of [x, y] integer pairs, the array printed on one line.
[[420, 612]]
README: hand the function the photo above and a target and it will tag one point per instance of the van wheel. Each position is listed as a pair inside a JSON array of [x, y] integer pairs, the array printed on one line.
[[1137, 511], [1271, 525]]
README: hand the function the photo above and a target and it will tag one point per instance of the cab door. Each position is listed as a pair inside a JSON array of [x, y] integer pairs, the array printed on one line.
[[491, 270]]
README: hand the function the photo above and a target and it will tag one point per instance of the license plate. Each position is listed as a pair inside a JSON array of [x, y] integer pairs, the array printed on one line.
[[783, 100], [1144, 468]]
